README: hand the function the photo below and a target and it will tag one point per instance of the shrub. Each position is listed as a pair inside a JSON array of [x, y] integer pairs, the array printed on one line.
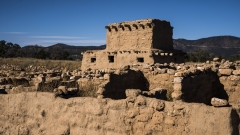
[[88, 89]]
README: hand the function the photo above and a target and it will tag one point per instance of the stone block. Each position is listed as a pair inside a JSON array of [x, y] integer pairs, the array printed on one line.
[[225, 71], [132, 92], [215, 59], [63, 89], [179, 74], [178, 79], [106, 76], [177, 87], [171, 71], [236, 72], [233, 78], [217, 102], [177, 95]]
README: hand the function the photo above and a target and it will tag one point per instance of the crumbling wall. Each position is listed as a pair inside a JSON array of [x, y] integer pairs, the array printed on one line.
[[42, 113], [123, 80], [194, 83], [198, 86]]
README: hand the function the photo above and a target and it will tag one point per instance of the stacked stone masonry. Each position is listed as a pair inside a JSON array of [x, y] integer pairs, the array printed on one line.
[[41, 113], [135, 42], [211, 83]]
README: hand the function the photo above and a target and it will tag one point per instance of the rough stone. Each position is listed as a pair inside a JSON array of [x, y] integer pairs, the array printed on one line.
[[177, 86], [176, 95], [171, 71], [215, 59], [132, 92], [179, 74], [63, 89], [236, 72], [225, 71], [106, 76], [178, 79], [217, 102]]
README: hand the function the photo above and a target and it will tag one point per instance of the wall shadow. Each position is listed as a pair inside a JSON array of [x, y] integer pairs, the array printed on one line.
[[235, 122], [202, 87], [132, 79]]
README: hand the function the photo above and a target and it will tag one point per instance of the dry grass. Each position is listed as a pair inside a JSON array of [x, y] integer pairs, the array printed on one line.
[[193, 63], [88, 89], [49, 64], [169, 94]]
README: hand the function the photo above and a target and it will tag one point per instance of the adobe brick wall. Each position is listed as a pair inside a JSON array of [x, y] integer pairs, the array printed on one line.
[[140, 34]]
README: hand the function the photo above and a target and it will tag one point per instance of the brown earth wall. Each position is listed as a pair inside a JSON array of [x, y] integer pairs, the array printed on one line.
[[43, 114]]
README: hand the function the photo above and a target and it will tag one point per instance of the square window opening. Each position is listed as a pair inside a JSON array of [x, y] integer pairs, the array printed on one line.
[[93, 60], [111, 59], [140, 59]]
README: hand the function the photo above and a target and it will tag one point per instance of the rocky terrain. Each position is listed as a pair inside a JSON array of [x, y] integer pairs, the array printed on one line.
[[198, 98]]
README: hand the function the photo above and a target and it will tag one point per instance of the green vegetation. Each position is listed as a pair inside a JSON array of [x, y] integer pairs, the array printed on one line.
[[199, 55], [234, 58], [10, 50]]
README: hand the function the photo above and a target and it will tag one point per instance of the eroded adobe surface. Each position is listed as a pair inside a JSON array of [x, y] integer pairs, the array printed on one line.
[[140, 34], [44, 114], [187, 85], [134, 42]]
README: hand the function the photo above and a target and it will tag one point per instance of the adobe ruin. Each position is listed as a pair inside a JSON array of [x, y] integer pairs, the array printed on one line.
[[146, 41]]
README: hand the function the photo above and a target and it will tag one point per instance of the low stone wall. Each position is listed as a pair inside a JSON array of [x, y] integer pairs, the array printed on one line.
[[41, 113], [136, 112], [190, 83]]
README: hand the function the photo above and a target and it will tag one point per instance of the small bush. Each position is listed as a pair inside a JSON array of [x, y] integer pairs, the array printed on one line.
[[88, 89]]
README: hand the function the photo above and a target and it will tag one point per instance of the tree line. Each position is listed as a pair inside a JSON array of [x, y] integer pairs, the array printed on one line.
[[10, 50], [199, 55]]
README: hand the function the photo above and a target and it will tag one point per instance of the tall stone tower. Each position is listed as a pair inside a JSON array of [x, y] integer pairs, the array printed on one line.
[[146, 41]]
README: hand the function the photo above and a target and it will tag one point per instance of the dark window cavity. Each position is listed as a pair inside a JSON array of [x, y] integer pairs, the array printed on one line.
[[93, 60], [111, 59], [140, 59]]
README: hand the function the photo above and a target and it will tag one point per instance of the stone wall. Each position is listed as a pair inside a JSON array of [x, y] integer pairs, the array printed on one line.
[[42, 113], [222, 78], [116, 59], [191, 83]]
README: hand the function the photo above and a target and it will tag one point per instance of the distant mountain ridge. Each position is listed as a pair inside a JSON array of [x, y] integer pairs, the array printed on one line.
[[225, 46]]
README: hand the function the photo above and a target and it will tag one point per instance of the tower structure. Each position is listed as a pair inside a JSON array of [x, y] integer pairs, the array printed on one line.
[[146, 41]]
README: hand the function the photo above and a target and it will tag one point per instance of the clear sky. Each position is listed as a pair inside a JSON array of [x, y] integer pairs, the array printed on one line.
[[81, 22]]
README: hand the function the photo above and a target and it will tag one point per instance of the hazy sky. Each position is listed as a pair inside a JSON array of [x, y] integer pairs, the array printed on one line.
[[81, 22]]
